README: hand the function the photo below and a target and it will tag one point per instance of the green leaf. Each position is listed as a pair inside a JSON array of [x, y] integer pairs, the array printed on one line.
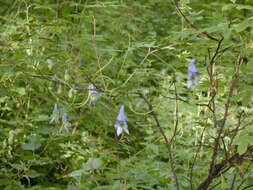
[[240, 7], [48, 130], [94, 163], [20, 91], [76, 173], [33, 144], [32, 173], [243, 142], [243, 25], [242, 147], [41, 117], [18, 166]]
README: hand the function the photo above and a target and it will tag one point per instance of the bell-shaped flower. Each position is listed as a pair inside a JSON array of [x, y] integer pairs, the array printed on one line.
[[55, 117], [121, 124], [93, 94], [65, 123], [193, 75]]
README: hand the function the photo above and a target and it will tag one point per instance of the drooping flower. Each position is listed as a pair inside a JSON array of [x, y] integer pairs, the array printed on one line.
[[92, 93], [55, 117], [121, 124], [65, 123], [193, 75]]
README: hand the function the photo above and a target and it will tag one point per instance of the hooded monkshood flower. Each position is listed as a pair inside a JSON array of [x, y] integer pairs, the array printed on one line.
[[55, 115], [92, 93], [65, 122], [193, 76], [120, 124]]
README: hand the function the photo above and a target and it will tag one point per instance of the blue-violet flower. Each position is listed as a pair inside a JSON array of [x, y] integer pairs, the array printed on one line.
[[193, 75], [121, 124], [65, 122], [92, 93], [55, 117]]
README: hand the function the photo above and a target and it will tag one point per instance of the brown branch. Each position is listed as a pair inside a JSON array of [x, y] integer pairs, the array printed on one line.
[[243, 179], [235, 132], [225, 164], [202, 34], [167, 141], [247, 187], [214, 169], [62, 83], [216, 53], [227, 104], [215, 185], [182, 100], [176, 114], [195, 158], [233, 181]]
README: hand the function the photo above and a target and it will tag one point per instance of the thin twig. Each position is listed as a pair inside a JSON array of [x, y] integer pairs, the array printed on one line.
[[185, 101], [158, 125], [156, 50], [176, 114], [224, 166], [217, 50], [235, 132], [227, 105], [247, 187], [62, 83], [215, 185], [243, 179], [224, 147], [202, 34], [195, 158], [213, 170], [233, 181]]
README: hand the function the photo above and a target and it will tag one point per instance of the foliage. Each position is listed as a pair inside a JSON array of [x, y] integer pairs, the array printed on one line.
[[92, 57]]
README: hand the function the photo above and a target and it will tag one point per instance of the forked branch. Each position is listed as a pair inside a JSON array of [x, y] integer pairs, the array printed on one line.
[[202, 34]]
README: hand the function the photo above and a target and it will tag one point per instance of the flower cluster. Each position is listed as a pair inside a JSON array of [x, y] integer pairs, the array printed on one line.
[[55, 118], [120, 124], [193, 75]]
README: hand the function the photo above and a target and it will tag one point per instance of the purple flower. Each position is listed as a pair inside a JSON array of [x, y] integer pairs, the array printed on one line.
[[120, 124], [92, 93], [65, 122], [55, 115], [193, 76]]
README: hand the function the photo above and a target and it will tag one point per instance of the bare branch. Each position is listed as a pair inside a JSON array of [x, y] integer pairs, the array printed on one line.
[[215, 169], [60, 82], [195, 158], [167, 141], [202, 34]]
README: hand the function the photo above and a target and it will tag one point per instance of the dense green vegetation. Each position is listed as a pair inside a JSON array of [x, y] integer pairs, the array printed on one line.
[[68, 66]]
